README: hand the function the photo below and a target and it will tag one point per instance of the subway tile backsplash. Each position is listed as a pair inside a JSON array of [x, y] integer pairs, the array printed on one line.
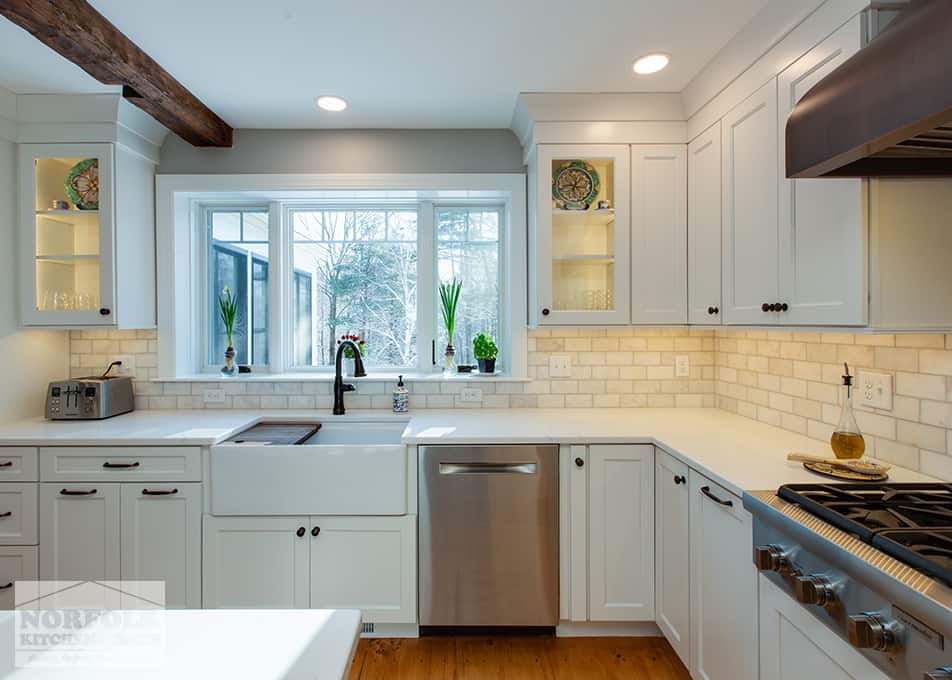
[[786, 379]]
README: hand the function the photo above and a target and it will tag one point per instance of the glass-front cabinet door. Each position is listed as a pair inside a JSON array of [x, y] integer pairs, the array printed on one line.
[[67, 210], [582, 235]]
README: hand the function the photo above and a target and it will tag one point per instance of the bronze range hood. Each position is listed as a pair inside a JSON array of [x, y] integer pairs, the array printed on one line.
[[886, 111]]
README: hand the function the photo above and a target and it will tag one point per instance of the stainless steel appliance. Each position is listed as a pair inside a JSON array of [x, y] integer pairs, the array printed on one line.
[[90, 398], [873, 562], [489, 528]]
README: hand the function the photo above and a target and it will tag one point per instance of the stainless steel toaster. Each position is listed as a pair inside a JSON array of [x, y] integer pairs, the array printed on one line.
[[90, 398]]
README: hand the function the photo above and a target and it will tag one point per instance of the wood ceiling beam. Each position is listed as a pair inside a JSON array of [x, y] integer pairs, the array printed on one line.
[[74, 29]]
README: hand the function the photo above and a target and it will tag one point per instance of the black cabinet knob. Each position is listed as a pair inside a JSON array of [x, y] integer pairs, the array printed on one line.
[[765, 307], [782, 306], [545, 311], [713, 310], [680, 479], [105, 311], [579, 462], [315, 531], [301, 531]]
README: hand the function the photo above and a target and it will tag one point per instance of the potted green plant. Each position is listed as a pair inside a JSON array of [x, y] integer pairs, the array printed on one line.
[[485, 351], [228, 311], [350, 361], [449, 299]]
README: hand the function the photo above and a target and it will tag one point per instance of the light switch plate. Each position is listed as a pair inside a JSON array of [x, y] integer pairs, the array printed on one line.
[[874, 390], [682, 366], [214, 395], [560, 366], [471, 395]]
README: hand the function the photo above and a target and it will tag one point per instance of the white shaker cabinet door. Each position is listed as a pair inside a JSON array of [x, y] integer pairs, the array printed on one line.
[[659, 234], [255, 562], [794, 645], [704, 228], [17, 563], [749, 208], [723, 585], [79, 531], [822, 230], [161, 539], [621, 533], [672, 558]]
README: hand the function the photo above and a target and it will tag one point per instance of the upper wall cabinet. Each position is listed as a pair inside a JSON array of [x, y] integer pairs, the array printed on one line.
[[704, 227], [87, 236], [822, 253], [580, 235], [659, 234]]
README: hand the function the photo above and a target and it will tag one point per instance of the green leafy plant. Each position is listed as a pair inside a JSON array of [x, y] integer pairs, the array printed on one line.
[[228, 311], [348, 350], [484, 347], [449, 299]]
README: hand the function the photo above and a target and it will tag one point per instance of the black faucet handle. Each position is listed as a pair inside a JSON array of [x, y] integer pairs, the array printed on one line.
[[348, 388]]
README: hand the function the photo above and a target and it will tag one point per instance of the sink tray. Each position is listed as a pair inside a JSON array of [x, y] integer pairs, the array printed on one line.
[[276, 433]]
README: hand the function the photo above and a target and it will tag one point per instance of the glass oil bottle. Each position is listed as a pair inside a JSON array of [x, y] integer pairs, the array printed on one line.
[[847, 441]]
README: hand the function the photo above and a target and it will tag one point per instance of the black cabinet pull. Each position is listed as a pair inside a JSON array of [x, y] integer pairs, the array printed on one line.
[[706, 490], [712, 310], [782, 306], [579, 462], [765, 307], [680, 479], [301, 531], [8, 513], [105, 311], [77, 492], [9, 585], [315, 531], [120, 466], [6, 463], [545, 311], [159, 492]]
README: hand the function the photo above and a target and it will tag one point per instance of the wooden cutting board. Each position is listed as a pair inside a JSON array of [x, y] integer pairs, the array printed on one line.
[[277, 433]]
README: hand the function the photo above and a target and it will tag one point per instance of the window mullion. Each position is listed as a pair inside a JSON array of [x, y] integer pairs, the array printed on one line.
[[278, 335], [426, 286]]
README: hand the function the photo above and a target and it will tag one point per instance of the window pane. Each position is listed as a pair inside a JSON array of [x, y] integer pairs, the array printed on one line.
[[363, 284], [243, 268], [469, 250]]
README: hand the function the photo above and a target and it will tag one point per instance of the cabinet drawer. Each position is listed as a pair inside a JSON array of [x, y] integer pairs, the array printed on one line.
[[120, 464], [16, 564], [18, 512], [18, 464]]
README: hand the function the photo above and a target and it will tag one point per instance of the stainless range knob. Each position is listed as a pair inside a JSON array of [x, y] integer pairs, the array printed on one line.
[[815, 589], [771, 558], [939, 674], [872, 631]]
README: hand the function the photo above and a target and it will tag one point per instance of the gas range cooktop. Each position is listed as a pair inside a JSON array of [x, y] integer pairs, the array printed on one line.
[[911, 522]]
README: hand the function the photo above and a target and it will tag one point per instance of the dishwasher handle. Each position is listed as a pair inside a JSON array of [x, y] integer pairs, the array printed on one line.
[[487, 468]]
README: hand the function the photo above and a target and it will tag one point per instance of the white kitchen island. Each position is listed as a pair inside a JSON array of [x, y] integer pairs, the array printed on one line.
[[317, 644]]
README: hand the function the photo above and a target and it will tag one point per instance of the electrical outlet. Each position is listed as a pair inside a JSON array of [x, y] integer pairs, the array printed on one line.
[[214, 395], [682, 366], [128, 367], [874, 390], [471, 394], [560, 366]]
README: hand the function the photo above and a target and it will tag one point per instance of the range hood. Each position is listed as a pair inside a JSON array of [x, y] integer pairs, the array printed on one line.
[[886, 111]]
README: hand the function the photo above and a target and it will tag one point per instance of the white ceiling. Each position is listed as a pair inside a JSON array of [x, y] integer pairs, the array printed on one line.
[[409, 64]]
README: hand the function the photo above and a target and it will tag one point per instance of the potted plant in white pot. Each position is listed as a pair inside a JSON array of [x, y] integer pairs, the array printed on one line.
[[228, 312], [485, 351], [449, 299]]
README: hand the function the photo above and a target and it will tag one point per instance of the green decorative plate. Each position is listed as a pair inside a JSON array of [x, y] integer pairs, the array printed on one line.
[[82, 184], [575, 185]]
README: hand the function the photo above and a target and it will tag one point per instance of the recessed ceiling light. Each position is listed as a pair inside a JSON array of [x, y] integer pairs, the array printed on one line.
[[651, 63], [331, 103]]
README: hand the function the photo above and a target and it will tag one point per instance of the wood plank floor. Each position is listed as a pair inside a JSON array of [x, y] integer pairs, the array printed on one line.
[[517, 658]]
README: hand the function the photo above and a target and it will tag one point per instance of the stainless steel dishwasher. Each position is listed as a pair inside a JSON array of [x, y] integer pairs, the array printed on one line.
[[489, 535]]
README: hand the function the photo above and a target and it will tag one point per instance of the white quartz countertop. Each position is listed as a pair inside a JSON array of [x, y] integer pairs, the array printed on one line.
[[266, 644], [736, 452]]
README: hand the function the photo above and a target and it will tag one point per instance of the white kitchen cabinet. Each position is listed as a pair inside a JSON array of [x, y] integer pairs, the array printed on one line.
[[16, 563], [573, 533], [723, 585], [161, 539], [822, 247], [795, 644], [255, 562], [621, 533], [659, 234], [580, 253], [79, 531], [672, 558], [92, 267], [704, 227], [366, 563], [18, 511], [749, 162]]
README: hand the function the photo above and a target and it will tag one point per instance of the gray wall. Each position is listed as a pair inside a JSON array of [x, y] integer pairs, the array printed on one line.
[[349, 151]]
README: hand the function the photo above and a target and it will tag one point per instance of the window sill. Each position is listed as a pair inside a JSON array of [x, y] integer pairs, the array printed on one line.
[[387, 376]]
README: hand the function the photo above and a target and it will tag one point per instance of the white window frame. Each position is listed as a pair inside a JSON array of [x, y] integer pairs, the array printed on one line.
[[181, 264]]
